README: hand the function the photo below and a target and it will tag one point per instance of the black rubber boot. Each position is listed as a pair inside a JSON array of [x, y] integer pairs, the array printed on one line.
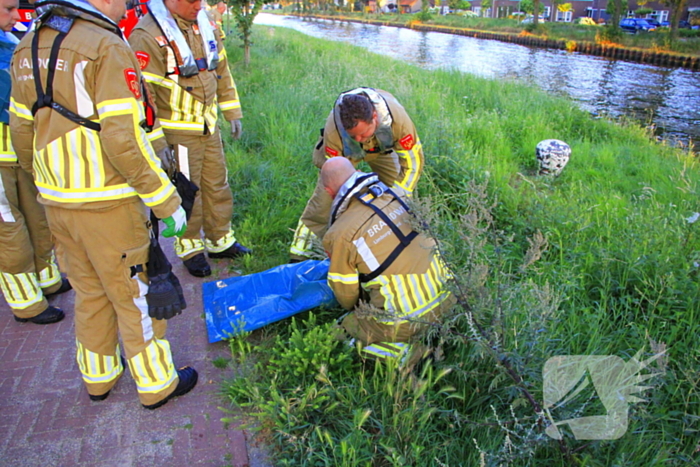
[[198, 266], [234, 251], [188, 380], [48, 316]]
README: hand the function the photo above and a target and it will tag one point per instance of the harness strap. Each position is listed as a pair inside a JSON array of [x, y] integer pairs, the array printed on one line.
[[45, 99], [404, 240]]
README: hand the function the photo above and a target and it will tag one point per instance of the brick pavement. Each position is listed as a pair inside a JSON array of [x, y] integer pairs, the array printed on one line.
[[47, 419]]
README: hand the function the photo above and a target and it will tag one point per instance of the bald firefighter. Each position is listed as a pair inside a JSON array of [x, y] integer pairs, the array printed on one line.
[[376, 257], [78, 124], [184, 63], [28, 270], [365, 124]]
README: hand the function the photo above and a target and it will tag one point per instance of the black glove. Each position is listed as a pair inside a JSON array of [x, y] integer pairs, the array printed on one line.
[[163, 297]]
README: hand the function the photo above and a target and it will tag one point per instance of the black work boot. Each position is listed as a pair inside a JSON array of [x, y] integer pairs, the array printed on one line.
[[198, 266], [188, 380], [234, 251], [48, 316], [65, 287]]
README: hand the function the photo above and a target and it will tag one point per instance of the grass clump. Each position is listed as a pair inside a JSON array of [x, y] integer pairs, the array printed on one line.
[[602, 260]]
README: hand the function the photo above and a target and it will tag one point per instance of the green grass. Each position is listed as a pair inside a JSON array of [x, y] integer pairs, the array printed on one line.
[[599, 261]]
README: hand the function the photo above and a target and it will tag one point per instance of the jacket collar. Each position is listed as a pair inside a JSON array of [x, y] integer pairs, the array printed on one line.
[[75, 8], [358, 183]]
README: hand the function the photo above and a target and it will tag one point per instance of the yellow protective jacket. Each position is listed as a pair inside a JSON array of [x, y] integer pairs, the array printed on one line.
[[407, 145], [359, 241], [186, 106], [97, 77]]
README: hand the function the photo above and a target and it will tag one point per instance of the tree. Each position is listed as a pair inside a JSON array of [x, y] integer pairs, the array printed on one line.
[[535, 13], [485, 5], [458, 4], [244, 12], [555, 8], [677, 7], [614, 9], [526, 6]]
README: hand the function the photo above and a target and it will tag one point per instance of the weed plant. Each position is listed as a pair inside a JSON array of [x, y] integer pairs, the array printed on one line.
[[602, 260]]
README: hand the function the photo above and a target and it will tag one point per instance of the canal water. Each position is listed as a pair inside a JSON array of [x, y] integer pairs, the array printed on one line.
[[667, 99]]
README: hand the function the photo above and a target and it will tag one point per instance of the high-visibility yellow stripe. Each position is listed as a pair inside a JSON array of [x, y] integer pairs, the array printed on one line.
[[186, 246], [343, 278], [414, 165], [155, 134], [20, 110], [7, 154], [21, 290], [303, 240], [50, 275], [221, 244], [153, 368], [97, 368], [116, 107], [228, 105], [84, 195]]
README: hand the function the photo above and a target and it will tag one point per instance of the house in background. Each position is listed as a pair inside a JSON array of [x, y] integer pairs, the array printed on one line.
[[582, 8], [410, 6]]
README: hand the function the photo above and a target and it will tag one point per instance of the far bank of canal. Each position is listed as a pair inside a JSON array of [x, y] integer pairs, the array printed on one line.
[[664, 98]]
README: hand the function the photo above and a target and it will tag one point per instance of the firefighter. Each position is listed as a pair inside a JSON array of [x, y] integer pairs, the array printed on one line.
[[78, 124], [27, 264], [376, 257], [184, 63], [364, 124]]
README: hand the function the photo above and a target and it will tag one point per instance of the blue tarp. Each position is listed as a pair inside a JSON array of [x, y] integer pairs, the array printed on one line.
[[259, 299]]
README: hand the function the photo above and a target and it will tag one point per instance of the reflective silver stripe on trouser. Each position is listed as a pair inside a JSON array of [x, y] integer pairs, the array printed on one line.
[[152, 368], [50, 274], [221, 244], [5, 208], [187, 246], [387, 350], [21, 290], [303, 240], [97, 368]]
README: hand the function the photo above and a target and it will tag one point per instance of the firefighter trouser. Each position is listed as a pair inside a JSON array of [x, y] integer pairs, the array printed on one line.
[[28, 267], [98, 250], [213, 206], [380, 340], [314, 219]]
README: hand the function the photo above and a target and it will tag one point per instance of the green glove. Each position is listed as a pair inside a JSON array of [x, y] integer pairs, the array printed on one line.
[[176, 224]]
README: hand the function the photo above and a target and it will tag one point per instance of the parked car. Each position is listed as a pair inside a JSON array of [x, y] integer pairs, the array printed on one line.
[[682, 24], [635, 25]]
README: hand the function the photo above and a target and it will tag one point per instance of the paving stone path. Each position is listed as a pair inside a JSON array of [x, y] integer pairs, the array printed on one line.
[[47, 419]]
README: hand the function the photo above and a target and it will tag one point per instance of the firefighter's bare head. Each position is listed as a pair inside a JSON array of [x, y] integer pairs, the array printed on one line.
[[185, 9], [334, 173], [221, 6], [112, 9], [9, 14], [358, 116]]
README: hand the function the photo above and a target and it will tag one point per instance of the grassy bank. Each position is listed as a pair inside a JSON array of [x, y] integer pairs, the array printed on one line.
[[600, 261], [688, 42]]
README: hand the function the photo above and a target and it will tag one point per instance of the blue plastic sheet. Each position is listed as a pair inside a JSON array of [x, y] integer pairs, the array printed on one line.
[[250, 302]]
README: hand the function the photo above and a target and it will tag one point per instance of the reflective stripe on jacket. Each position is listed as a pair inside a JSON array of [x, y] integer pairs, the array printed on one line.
[[359, 242], [7, 154], [97, 77], [185, 105]]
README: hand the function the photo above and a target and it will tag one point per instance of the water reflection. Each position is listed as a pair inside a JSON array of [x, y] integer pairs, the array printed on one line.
[[667, 98]]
